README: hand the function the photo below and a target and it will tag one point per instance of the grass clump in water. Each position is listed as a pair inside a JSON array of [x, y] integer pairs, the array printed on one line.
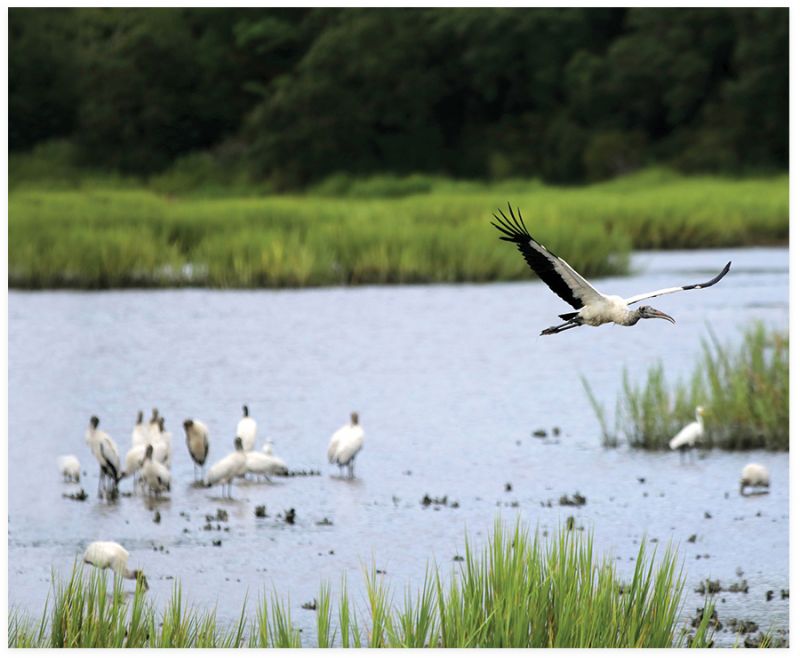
[[518, 591], [745, 394]]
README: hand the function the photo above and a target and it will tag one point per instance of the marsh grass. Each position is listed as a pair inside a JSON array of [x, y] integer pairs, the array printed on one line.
[[99, 235], [517, 591], [745, 393]]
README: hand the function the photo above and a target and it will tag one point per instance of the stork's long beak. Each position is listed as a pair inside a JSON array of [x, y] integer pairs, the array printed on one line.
[[653, 313]]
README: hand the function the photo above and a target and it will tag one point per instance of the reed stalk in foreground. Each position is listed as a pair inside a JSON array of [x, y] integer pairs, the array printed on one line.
[[518, 591], [745, 394]]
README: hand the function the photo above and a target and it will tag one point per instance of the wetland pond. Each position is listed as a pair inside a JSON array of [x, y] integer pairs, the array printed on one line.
[[450, 382]]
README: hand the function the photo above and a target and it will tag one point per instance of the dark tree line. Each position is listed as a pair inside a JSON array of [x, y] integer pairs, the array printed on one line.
[[298, 94]]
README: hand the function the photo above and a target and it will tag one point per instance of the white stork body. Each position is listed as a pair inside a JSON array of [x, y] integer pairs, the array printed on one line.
[[345, 444], [197, 443], [162, 445], [227, 468], [260, 463], [246, 430], [140, 433], [134, 460], [593, 308], [155, 475], [70, 468], [153, 430], [753, 475], [111, 555], [689, 435], [105, 451]]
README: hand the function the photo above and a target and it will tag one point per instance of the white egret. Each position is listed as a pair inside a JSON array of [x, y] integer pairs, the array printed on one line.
[[246, 430], [345, 444], [227, 468], [197, 443], [111, 555], [689, 435], [70, 468], [754, 475], [592, 307]]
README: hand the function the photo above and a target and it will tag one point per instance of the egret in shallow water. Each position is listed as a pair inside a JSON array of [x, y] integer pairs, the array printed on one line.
[[593, 308], [687, 438], [345, 444], [111, 555], [754, 476], [70, 468]]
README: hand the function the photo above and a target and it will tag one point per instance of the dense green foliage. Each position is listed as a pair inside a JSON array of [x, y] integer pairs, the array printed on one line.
[[745, 394], [115, 235], [519, 591], [291, 96]]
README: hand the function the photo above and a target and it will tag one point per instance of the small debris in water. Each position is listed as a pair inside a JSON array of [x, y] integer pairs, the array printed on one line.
[[157, 517], [770, 594], [654, 540], [714, 622], [300, 473], [707, 515], [509, 487], [742, 626], [784, 594], [407, 473], [216, 542], [261, 511], [708, 587], [739, 572], [692, 539], [576, 500], [769, 640], [570, 522], [741, 586], [381, 572], [288, 516], [310, 605], [458, 558], [325, 521], [436, 502], [540, 433], [641, 480], [80, 495], [556, 431]]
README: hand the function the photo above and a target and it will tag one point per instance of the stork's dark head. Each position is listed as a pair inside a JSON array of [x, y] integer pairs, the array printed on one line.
[[154, 417], [161, 423], [148, 451], [187, 424], [245, 410], [94, 421], [139, 417], [238, 443], [354, 418], [648, 312]]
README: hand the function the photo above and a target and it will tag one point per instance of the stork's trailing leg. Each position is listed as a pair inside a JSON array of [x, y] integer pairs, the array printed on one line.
[[570, 324]]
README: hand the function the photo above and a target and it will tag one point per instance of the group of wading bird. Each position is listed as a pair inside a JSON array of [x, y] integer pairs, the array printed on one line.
[[149, 459], [592, 308]]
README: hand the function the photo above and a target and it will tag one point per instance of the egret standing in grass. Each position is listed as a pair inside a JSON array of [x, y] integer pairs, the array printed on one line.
[[197, 443], [105, 451], [592, 307], [227, 468], [111, 555], [70, 468], [246, 430], [686, 439], [754, 476], [345, 444]]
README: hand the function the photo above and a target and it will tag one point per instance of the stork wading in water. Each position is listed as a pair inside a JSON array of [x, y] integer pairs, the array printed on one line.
[[592, 307], [111, 555], [687, 438]]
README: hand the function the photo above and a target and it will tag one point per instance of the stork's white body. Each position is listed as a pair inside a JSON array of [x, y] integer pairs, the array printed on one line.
[[140, 434], [227, 468], [156, 477], [260, 463], [106, 453], [111, 555], [753, 475], [344, 445], [197, 442], [70, 468], [162, 448], [134, 459], [593, 308], [246, 430]]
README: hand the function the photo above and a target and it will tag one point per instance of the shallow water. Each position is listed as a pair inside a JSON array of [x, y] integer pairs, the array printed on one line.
[[449, 381]]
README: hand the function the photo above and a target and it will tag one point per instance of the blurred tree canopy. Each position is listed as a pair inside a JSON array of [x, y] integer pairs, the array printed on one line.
[[299, 94]]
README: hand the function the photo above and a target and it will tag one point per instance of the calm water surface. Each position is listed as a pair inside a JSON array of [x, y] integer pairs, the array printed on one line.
[[450, 382]]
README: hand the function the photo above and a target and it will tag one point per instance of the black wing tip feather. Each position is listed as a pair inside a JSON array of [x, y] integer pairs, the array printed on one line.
[[513, 229], [710, 282]]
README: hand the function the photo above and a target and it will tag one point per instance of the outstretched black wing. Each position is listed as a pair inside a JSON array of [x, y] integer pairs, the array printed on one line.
[[554, 271]]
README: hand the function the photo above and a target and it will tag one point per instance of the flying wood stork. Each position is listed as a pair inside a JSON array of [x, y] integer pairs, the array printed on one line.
[[754, 475], [689, 435], [592, 307], [345, 444], [111, 555], [197, 443]]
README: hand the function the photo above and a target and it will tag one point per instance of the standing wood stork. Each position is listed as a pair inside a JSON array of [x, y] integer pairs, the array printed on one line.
[[70, 468], [105, 451], [246, 430], [592, 307], [754, 475], [197, 443], [227, 468], [689, 435], [111, 555], [153, 430], [345, 444], [154, 474], [140, 433], [134, 460], [162, 444]]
